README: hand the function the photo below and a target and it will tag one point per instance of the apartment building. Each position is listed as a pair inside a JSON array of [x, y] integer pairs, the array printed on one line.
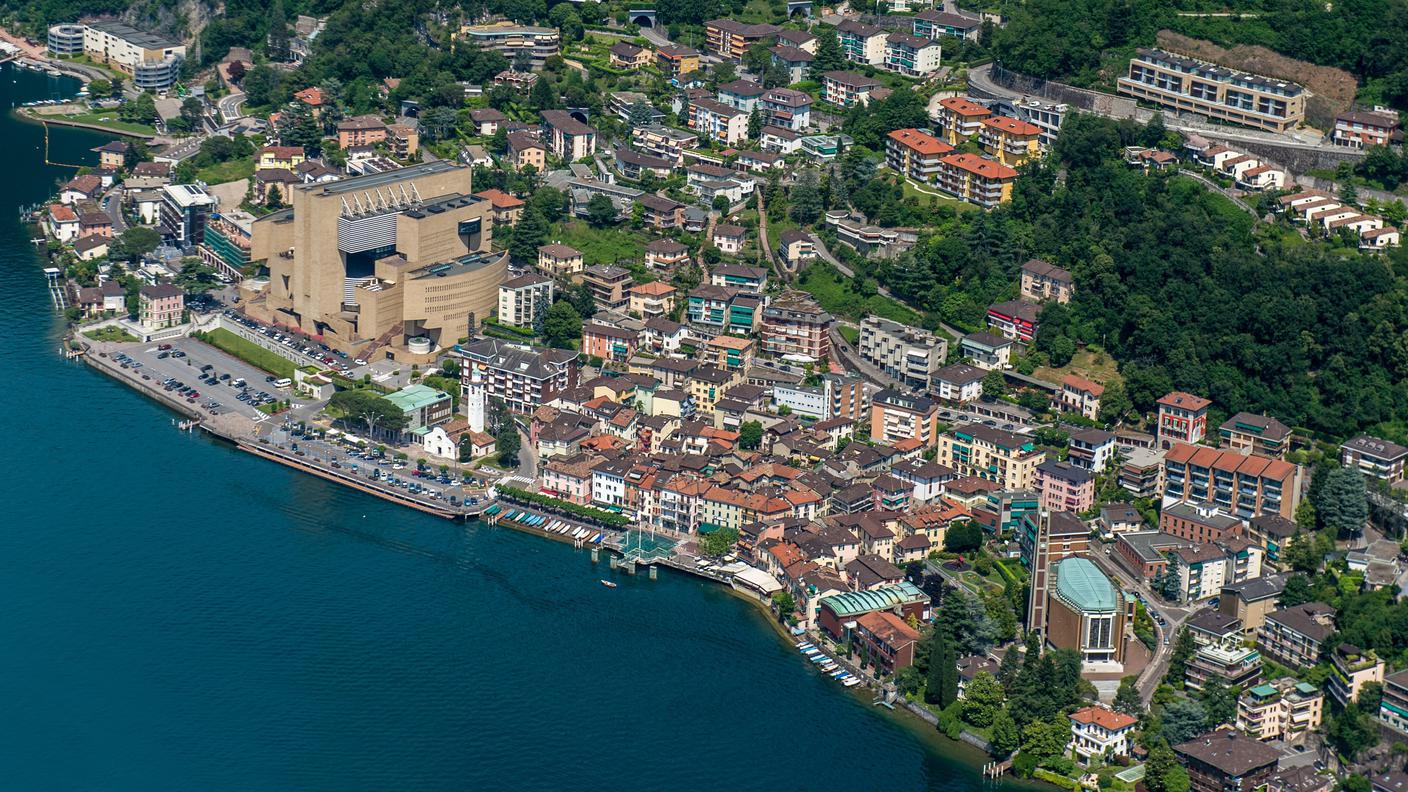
[[1080, 396], [675, 61], [797, 61], [1351, 668], [524, 300], [652, 299], [861, 43], [1362, 130], [1235, 665], [610, 343], [1227, 761], [739, 276], [184, 211], [960, 383], [896, 416], [794, 324], [510, 39], [1043, 281], [986, 351], [915, 154], [1015, 319], [959, 118], [911, 355], [1004, 458], [977, 180], [625, 55], [523, 377], [844, 89], [526, 150], [932, 23], [663, 142], [1222, 94], [1393, 707], [160, 305], [729, 239], [717, 121], [560, 261], [1092, 449], [1293, 636], [712, 310], [360, 132], [153, 62], [1010, 141], [731, 40], [1249, 433], [1285, 710], [1183, 418], [1064, 486], [786, 108], [734, 353], [609, 285], [1202, 570], [912, 56], [568, 138], [1374, 457], [1241, 485]]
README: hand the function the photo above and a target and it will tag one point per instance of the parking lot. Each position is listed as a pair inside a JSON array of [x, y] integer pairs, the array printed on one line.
[[300, 349], [183, 363]]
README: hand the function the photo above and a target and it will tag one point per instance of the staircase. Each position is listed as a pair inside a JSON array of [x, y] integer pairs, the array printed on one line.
[[383, 340]]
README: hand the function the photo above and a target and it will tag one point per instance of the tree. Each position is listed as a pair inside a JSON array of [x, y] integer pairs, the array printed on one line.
[[1342, 505], [438, 122], [600, 211], [1005, 737], [720, 203], [1296, 592], [1163, 773], [261, 85], [1302, 555], [994, 384], [1114, 404], [755, 123], [750, 435], [1219, 702], [805, 197], [963, 537], [542, 97], [274, 198], [141, 110], [562, 325], [1046, 739], [966, 622], [133, 244], [278, 32], [828, 53], [641, 114], [1183, 650], [982, 699], [1009, 669], [370, 409], [528, 235], [1183, 719], [196, 276], [191, 111], [718, 543], [1127, 698], [1351, 732], [942, 685], [236, 70]]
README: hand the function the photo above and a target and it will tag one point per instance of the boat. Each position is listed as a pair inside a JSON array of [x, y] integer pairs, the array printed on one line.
[[852, 682], [596, 537], [607, 583]]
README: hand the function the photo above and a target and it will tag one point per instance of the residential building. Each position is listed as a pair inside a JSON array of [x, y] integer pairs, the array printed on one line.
[[510, 39], [524, 300], [663, 142], [1351, 668], [730, 40], [1120, 518], [1015, 319], [1393, 707], [1043, 281], [1293, 636], [526, 150], [740, 94], [1198, 522], [663, 213], [915, 154], [1141, 472], [1203, 569], [1250, 601], [912, 56], [665, 254], [797, 61], [1065, 487], [648, 300], [609, 285], [1249, 433], [568, 138], [611, 344], [886, 640], [1010, 141], [152, 62], [403, 140], [896, 416], [1087, 613], [507, 208], [861, 43], [987, 351], [845, 89], [1237, 666], [717, 121], [786, 108], [1047, 116], [729, 239], [1272, 533], [977, 180], [1241, 486], [523, 377], [1080, 396], [676, 61], [959, 118], [1222, 94], [286, 157], [1226, 761], [719, 309], [796, 246], [1361, 130], [1285, 709], [1091, 449], [185, 209], [911, 355], [1001, 457], [795, 326], [1100, 733], [1374, 457], [359, 131], [560, 261], [933, 23], [733, 353], [1183, 418], [625, 55], [160, 305]]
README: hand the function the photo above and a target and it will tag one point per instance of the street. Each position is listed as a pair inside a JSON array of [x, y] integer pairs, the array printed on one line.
[[1164, 635], [229, 107]]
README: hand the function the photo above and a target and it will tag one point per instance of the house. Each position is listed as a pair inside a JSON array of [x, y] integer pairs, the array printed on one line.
[[785, 108], [1374, 457], [958, 383], [648, 300], [886, 640], [524, 300], [1293, 636], [160, 305], [861, 43], [568, 138], [1119, 518], [608, 343], [1080, 396], [313, 97], [977, 180], [797, 61], [845, 89], [633, 164], [986, 351], [729, 239], [525, 150], [1183, 418], [795, 246], [80, 188], [717, 121], [358, 131], [783, 141], [1249, 433], [507, 208], [286, 157], [109, 298], [559, 261], [273, 186], [1043, 281], [112, 155], [1015, 319], [625, 55], [1361, 130], [1100, 733], [661, 212], [486, 121], [912, 56], [1226, 761], [915, 154], [665, 254], [91, 247], [960, 119]]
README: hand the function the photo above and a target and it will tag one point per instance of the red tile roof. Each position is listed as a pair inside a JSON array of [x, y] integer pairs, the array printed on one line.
[[920, 142], [1185, 401], [1107, 719]]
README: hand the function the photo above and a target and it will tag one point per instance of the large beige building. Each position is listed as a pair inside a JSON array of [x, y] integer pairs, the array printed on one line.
[[400, 258], [1223, 94]]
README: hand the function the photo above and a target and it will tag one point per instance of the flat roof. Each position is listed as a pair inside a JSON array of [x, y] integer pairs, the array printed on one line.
[[375, 180]]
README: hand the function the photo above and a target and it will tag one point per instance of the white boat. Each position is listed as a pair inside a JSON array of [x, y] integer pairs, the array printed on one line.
[[579, 533], [852, 682], [608, 583]]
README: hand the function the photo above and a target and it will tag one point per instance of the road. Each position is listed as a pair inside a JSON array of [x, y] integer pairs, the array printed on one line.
[[826, 256], [112, 206], [230, 105]]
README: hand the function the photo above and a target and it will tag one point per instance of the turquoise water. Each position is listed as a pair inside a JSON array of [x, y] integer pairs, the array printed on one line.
[[177, 615]]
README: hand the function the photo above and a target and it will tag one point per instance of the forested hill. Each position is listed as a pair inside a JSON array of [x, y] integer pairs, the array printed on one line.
[[1089, 41], [1177, 284]]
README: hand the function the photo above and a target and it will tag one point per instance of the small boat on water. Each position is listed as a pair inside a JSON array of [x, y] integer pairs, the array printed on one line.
[[607, 583]]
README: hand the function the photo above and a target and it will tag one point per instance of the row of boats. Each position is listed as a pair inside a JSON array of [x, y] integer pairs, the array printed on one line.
[[544, 524], [828, 666]]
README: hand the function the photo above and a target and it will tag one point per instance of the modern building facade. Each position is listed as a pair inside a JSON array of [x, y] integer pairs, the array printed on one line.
[[909, 354], [1222, 94]]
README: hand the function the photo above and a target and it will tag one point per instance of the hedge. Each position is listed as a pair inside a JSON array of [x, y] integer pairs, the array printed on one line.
[[606, 518], [1057, 779]]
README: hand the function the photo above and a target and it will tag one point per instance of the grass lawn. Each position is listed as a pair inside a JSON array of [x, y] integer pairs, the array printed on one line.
[[834, 293], [1093, 363], [851, 334], [222, 172], [250, 352], [601, 245], [928, 196], [110, 333], [105, 118]]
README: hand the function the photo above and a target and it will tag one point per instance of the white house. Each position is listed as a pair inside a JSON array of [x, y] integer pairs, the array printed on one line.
[[1099, 732]]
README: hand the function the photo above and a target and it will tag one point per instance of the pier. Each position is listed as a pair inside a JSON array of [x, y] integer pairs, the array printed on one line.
[[58, 289]]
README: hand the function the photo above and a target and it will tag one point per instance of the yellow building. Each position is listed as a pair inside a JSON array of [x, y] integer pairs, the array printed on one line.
[[992, 454], [977, 180], [1189, 85], [286, 157], [1010, 141]]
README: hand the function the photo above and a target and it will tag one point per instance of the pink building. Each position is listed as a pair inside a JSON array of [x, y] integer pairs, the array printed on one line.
[[1065, 487], [570, 478], [608, 343], [161, 305]]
